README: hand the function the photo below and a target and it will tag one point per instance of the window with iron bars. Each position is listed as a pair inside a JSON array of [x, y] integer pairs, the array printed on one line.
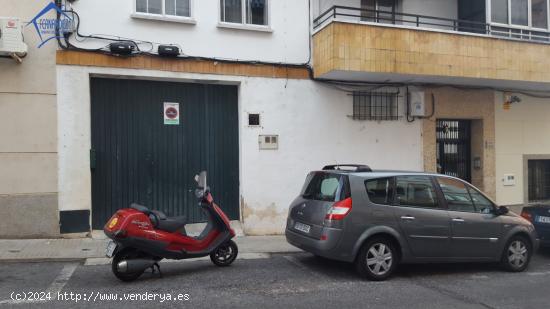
[[375, 106]]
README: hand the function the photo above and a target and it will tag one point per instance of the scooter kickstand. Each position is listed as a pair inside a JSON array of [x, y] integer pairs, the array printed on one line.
[[158, 268]]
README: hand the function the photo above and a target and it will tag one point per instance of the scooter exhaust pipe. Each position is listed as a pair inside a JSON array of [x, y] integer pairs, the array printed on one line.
[[135, 265]]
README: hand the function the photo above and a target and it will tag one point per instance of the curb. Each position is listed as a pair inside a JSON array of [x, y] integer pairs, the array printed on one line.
[[241, 256], [42, 260], [85, 259]]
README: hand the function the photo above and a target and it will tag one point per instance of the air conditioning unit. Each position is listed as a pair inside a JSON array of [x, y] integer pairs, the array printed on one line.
[[11, 37]]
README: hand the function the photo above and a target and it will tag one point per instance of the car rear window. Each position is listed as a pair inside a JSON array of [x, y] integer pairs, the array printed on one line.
[[328, 187]]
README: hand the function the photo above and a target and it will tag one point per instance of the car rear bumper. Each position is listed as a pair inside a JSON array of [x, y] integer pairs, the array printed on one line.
[[543, 234], [537, 244], [544, 243], [325, 248]]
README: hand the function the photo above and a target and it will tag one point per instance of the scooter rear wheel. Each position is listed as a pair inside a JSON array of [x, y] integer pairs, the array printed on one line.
[[125, 254], [225, 254]]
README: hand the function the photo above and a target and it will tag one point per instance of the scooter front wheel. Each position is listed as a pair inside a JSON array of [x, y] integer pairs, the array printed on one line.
[[225, 254]]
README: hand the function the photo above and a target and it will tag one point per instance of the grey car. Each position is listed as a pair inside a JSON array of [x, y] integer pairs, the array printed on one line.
[[379, 219]]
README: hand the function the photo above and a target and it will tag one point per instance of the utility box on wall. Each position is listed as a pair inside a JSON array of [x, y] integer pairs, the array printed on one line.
[[418, 106], [509, 180], [268, 142]]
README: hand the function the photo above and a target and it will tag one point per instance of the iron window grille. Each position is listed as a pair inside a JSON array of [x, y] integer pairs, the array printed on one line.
[[375, 106], [453, 143], [538, 181]]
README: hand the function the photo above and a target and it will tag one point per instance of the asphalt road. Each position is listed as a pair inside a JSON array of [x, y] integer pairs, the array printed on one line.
[[280, 281]]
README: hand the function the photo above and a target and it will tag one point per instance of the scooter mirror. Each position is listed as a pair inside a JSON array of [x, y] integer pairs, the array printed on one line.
[[201, 185], [201, 179]]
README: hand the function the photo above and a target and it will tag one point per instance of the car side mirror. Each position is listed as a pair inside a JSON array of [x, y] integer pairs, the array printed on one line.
[[502, 210]]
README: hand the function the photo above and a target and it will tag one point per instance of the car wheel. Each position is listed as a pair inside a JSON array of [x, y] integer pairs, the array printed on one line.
[[517, 254], [377, 259]]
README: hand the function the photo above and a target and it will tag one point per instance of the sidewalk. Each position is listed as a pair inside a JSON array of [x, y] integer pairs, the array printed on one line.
[[40, 250]]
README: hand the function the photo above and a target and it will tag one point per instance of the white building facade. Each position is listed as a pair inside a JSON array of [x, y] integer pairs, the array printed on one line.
[[312, 120]]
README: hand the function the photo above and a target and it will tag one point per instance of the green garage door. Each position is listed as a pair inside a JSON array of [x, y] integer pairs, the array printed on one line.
[[141, 154]]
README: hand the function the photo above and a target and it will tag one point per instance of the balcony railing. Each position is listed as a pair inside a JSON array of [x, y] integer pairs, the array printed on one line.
[[421, 21]]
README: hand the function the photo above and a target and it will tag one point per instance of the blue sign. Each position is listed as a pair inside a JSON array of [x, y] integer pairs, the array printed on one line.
[[51, 28]]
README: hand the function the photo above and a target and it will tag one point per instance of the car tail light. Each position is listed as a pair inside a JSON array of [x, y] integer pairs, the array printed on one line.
[[339, 210], [527, 216]]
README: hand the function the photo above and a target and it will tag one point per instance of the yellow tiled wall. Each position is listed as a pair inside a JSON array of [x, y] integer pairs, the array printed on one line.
[[373, 48], [475, 105]]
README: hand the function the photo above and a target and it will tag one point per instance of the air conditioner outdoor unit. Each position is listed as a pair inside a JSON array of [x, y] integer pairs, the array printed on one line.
[[11, 37]]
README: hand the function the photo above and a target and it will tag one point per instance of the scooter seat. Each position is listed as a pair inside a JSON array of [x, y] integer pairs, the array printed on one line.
[[159, 214], [161, 221], [172, 224], [141, 208]]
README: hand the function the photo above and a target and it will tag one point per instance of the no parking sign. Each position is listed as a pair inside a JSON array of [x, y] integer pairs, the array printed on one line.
[[171, 113]]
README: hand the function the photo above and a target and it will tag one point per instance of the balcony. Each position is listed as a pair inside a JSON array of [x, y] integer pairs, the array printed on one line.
[[386, 46]]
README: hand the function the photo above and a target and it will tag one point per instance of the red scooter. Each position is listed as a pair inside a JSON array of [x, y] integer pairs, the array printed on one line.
[[142, 237]]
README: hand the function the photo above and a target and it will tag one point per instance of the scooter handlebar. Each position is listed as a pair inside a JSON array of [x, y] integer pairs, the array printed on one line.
[[204, 194]]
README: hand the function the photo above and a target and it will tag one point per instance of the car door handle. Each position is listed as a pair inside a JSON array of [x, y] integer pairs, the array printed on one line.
[[458, 220], [408, 218]]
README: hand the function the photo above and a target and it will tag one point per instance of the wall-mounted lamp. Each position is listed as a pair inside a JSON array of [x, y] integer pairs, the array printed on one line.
[[510, 99]]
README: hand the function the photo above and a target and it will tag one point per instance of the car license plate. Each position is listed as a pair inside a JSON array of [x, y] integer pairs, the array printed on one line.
[[302, 227], [111, 247], [543, 219]]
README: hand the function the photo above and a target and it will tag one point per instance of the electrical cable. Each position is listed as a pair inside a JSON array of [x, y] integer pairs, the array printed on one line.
[[150, 52], [408, 107], [59, 4], [336, 83], [433, 107], [533, 93]]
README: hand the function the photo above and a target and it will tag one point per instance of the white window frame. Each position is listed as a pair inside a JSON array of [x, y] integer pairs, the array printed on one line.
[[243, 25], [165, 17], [489, 17]]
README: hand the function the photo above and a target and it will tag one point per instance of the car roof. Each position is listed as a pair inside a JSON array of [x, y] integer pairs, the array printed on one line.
[[393, 173], [389, 173], [383, 173]]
